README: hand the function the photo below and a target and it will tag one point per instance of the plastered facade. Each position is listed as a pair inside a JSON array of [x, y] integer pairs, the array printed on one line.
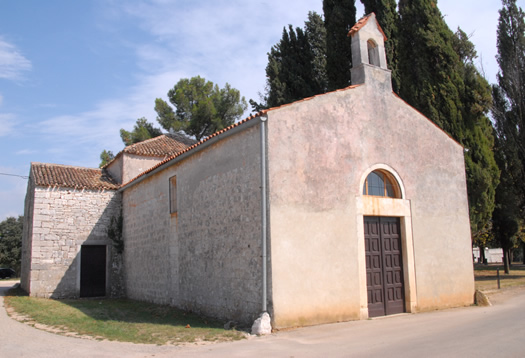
[[317, 206], [59, 222]]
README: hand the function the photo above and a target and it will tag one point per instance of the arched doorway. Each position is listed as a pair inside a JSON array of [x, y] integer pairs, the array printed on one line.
[[383, 246]]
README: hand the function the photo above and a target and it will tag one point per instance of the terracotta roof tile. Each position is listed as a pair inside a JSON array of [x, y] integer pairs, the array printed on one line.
[[161, 146], [65, 176], [362, 22]]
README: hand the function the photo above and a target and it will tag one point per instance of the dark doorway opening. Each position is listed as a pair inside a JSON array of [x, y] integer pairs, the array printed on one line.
[[384, 266], [93, 271]]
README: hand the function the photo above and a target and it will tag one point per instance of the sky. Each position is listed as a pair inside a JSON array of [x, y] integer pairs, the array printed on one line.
[[73, 73]]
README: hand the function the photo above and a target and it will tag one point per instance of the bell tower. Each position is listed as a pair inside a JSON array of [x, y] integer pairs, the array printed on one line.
[[368, 54]]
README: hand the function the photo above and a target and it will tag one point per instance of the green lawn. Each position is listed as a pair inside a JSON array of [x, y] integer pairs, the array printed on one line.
[[486, 276], [120, 320]]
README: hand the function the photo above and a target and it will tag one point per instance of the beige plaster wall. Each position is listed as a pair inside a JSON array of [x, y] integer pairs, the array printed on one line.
[[207, 256], [133, 165], [319, 152]]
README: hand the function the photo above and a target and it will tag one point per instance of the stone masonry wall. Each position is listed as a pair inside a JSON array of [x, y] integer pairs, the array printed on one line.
[[27, 234], [206, 257], [63, 220]]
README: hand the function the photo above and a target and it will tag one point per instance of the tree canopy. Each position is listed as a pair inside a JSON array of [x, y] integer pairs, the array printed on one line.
[[142, 130], [339, 17], [296, 65], [105, 157], [509, 116], [11, 243], [201, 108]]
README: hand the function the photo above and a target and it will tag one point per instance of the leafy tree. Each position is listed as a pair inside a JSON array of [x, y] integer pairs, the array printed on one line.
[[201, 108], [388, 18], [142, 130], [105, 157], [340, 16], [509, 117], [11, 242]]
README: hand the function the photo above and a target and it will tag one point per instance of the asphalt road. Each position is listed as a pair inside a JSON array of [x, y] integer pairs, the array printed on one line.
[[496, 331]]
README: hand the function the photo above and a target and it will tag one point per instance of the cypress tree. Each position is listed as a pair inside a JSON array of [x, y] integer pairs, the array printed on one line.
[[340, 16], [388, 18], [509, 116], [428, 64], [296, 65], [439, 79], [478, 137]]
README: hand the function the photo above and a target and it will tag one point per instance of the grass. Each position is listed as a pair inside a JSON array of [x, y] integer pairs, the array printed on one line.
[[486, 276], [119, 320]]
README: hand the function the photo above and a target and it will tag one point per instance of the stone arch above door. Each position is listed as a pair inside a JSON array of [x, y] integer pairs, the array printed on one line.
[[390, 173], [395, 206]]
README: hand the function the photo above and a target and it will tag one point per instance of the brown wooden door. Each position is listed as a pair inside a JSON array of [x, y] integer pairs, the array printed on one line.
[[384, 266], [93, 271]]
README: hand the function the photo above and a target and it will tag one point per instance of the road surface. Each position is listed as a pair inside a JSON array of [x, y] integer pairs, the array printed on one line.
[[496, 331]]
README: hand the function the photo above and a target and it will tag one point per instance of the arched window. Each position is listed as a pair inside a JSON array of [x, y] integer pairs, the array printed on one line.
[[381, 183], [373, 53]]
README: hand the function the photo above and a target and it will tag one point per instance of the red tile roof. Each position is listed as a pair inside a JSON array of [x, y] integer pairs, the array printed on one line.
[[161, 146], [362, 22], [65, 176]]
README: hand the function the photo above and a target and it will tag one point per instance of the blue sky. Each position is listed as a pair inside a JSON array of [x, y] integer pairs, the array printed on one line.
[[72, 73]]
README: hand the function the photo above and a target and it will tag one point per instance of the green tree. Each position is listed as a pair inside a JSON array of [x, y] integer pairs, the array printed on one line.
[[509, 117], [438, 77], [105, 157], [340, 16], [291, 70], [388, 18], [142, 130], [296, 65], [477, 135], [428, 64], [506, 216], [201, 108], [11, 242]]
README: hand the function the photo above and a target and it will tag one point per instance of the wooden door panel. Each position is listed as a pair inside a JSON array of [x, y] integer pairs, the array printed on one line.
[[384, 274]]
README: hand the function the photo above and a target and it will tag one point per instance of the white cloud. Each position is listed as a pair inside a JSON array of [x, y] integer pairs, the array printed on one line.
[[1, 99], [12, 62], [12, 191], [7, 123]]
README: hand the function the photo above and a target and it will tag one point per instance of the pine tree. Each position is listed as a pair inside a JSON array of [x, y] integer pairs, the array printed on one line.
[[340, 16], [142, 130], [388, 18], [105, 157], [201, 108]]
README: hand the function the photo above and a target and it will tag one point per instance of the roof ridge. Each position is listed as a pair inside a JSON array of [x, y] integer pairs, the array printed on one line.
[[362, 22], [65, 166]]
